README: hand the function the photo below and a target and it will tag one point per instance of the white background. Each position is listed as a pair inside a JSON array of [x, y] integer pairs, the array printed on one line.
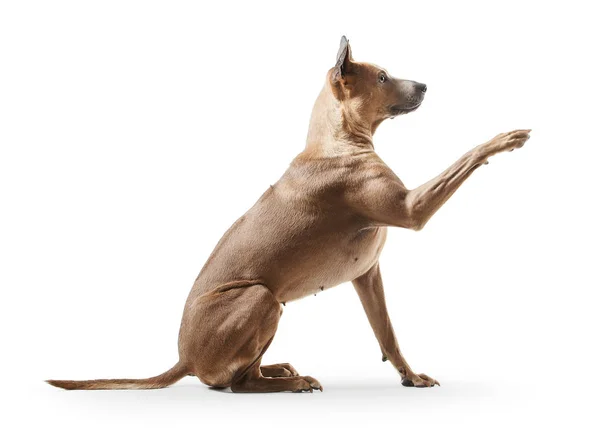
[[134, 133]]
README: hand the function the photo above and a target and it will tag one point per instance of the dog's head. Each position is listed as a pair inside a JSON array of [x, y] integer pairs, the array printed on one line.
[[369, 91]]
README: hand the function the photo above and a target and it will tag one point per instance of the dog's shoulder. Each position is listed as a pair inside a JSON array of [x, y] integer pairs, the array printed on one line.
[[331, 178], [328, 173]]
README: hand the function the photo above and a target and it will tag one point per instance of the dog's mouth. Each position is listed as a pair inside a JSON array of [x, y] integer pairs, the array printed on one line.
[[397, 110]]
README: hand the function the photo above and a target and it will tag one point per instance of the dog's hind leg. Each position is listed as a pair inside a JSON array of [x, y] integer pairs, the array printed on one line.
[[254, 381], [278, 370], [226, 334], [271, 378]]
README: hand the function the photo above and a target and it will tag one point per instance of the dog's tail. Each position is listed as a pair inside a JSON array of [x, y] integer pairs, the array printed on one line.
[[167, 378]]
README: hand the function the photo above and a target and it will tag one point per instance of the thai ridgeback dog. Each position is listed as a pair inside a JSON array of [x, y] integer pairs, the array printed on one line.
[[323, 223]]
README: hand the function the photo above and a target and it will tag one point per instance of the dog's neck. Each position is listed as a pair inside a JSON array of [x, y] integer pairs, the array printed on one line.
[[336, 129]]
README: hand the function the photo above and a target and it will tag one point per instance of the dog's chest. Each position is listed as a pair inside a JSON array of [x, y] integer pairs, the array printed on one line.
[[364, 249], [336, 259]]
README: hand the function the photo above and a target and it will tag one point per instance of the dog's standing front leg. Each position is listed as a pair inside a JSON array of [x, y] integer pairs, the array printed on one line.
[[369, 287]]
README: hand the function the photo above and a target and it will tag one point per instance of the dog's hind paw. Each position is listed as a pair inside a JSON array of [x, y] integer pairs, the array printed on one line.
[[307, 384], [278, 370]]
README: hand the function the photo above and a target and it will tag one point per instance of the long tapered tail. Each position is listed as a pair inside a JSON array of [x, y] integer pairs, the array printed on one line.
[[167, 378]]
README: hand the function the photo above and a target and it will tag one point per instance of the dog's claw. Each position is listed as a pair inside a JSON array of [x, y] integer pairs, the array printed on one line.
[[313, 383]]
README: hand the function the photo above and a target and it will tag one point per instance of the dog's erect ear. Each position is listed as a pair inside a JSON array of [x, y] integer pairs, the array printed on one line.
[[344, 58]]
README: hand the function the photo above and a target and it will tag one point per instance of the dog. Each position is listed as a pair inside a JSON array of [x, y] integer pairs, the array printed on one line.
[[322, 224]]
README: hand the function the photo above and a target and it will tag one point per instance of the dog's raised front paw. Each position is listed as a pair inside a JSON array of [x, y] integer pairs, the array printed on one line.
[[508, 141]]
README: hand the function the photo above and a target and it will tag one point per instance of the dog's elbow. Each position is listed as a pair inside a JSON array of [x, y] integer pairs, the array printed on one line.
[[410, 222], [417, 225], [416, 220]]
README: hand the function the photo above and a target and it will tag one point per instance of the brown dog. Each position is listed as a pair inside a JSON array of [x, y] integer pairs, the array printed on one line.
[[323, 223]]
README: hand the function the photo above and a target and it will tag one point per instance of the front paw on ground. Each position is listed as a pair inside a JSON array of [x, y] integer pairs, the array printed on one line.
[[419, 381]]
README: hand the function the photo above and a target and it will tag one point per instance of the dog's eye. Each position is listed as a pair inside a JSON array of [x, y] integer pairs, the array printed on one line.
[[382, 78]]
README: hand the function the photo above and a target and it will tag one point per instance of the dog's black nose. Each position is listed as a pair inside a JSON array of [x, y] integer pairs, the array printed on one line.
[[422, 87]]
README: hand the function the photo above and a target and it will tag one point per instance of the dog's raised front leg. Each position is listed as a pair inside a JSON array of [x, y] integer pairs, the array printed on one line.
[[424, 201], [370, 290], [387, 202]]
